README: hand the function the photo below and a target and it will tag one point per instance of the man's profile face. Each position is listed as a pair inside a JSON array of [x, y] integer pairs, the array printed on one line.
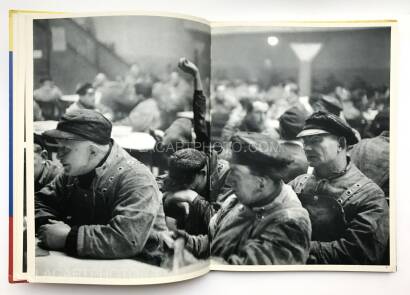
[[244, 183], [320, 149], [257, 117], [200, 180], [89, 97], [74, 155]]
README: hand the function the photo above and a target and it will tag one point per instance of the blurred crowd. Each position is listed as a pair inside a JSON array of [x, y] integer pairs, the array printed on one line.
[[138, 99], [357, 103]]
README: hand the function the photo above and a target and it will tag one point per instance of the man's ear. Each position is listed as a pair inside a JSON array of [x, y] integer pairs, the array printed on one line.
[[92, 149], [202, 172], [342, 143], [261, 182], [44, 154]]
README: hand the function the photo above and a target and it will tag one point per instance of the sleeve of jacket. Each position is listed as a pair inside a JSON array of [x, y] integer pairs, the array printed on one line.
[[201, 127], [198, 245], [50, 201], [279, 243], [201, 209], [365, 240], [133, 216]]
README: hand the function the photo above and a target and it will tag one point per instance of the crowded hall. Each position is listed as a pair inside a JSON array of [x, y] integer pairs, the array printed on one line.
[[270, 149]]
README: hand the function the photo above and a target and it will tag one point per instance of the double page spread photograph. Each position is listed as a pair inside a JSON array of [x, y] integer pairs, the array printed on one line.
[[153, 148]]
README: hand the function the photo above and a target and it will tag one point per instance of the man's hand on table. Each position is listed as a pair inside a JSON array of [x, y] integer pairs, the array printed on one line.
[[53, 235]]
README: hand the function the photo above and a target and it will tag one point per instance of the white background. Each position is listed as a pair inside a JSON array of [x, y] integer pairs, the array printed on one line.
[[239, 283]]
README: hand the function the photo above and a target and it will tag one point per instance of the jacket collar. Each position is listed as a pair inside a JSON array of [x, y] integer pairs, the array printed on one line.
[[115, 154], [279, 201]]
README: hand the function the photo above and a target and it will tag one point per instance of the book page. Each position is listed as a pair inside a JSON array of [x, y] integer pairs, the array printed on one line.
[[113, 200], [302, 113]]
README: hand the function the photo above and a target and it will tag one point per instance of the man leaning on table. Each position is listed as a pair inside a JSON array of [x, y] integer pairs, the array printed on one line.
[[105, 204]]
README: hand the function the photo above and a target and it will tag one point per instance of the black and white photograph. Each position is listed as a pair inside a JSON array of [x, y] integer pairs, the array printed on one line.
[[168, 147], [302, 115], [121, 161]]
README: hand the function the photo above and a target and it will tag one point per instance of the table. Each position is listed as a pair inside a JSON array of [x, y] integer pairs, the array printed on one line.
[[60, 264]]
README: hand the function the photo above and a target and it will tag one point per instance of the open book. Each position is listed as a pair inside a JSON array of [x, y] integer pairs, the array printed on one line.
[[151, 148]]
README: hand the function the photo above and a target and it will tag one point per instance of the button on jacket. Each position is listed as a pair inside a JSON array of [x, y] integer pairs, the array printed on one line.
[[115, 217]]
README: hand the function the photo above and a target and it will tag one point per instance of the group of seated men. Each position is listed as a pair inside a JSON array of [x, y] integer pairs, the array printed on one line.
[[261, 207]]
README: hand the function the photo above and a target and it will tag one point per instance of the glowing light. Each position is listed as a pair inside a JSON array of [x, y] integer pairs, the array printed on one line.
[[273, 41]]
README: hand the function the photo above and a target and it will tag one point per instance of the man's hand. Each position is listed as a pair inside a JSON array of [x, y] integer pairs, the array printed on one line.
[[167, 237], [188, 66], [53, 235], [181, 199], [187, 196]]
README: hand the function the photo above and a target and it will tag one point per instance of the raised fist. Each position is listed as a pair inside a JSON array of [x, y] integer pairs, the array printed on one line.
[[187, 66]]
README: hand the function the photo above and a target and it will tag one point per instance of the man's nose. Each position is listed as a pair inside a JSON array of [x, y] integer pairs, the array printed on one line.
[[307, 147], [60, 153]]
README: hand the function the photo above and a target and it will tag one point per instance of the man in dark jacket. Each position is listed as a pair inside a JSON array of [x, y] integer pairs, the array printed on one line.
[[263, 222], [371, 155], [106, 204], [199, 176], [349, 214]]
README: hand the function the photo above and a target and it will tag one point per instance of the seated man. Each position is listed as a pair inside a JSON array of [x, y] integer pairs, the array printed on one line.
[[371, 155], [145, 115], [106, 204], [348, 211], [197, 177], [290, 124], [86, 98], [264, 222], [45, 170], [47, 96], [186, 196], [326, 103]]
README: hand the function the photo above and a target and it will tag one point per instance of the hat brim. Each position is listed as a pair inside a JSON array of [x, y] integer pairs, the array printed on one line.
[[310, 132], [58, 134]]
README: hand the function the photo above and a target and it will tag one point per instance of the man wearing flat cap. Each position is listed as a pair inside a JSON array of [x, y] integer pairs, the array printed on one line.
[[326, 103], [263, 222], [348, 211], [290, 124], [106, 204]]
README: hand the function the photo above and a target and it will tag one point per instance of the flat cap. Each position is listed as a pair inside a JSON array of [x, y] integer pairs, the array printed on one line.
[[185, 163], [82, 89], [82, 124], [291, 123], [332, 101], [256, 149], [328, 123]]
